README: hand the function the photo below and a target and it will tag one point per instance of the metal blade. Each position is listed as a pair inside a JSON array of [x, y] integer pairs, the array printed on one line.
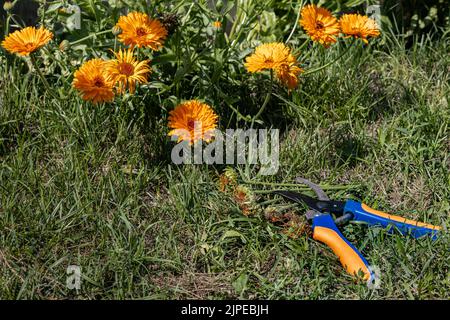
[[321, 195], [336, 207]]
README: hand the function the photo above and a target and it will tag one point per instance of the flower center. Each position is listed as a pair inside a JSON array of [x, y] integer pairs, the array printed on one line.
[[126, 69], [319, 25], [29, 46], [98, 82], [268, 60], [191, 123], [141, 32]]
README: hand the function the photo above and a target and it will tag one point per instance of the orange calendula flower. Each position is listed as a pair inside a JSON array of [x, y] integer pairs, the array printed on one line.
[[92, 81], [267, 56], [359, 26], [288, 73], [319, 24], [192, 121], [277, 57], [27, 40], [141, 31], [217, 24], [125, 71]]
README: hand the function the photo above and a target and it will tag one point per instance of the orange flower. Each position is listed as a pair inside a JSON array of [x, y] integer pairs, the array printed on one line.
[[91, 80], [192, 121], [27, 40], [288, 73], [359, 27], [126, 71], [319, 24], [277, 57], [217, 24], [267, 56], [141, 31]]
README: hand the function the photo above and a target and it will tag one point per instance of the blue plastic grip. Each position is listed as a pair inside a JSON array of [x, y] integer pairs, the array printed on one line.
[[362, 212]]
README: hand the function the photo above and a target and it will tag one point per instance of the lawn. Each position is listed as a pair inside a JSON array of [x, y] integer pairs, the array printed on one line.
[[93, 185]]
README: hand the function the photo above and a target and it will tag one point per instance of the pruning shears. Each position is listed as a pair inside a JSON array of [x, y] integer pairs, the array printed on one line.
[[324, 226]]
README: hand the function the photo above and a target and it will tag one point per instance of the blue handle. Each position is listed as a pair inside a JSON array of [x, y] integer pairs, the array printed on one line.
[[362, 212]]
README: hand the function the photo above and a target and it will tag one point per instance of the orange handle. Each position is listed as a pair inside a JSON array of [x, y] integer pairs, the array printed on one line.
[[395, 218], [351, 259]]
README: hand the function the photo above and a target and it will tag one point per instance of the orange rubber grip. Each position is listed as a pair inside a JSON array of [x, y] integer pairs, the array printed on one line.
[[392, 217], [349, 256]]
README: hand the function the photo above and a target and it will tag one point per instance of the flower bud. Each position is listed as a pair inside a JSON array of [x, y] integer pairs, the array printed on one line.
[[116, 30], [8, 6], [64, 45], [219, 5]]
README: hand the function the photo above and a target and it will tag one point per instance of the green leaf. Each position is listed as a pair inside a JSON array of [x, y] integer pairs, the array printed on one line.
[[240, 284]]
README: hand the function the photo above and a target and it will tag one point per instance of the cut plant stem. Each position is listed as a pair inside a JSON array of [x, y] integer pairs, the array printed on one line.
[[268, 202], [299, 186], [282, 208], [270, 191]]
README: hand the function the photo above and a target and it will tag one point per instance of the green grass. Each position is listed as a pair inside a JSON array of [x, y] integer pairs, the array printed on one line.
[[94, 187]]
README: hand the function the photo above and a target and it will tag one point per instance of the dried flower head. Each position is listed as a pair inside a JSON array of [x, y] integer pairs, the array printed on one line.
[[170, 21], [245, 199], [228, 179]]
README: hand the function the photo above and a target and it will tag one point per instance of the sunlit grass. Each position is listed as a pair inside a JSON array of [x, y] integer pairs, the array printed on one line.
[[94, 186]]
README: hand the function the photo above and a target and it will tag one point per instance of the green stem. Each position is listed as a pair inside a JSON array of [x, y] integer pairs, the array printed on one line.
[[9, 17], [300, 186], [239, 115], [266, 100], [41, 75], [44, 6], [299, 49], [90, 36], [7, 24], [286, 207], [62, 65], [268, 202], [296, 22], [237, 18], [270, 191], [327, 64]]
